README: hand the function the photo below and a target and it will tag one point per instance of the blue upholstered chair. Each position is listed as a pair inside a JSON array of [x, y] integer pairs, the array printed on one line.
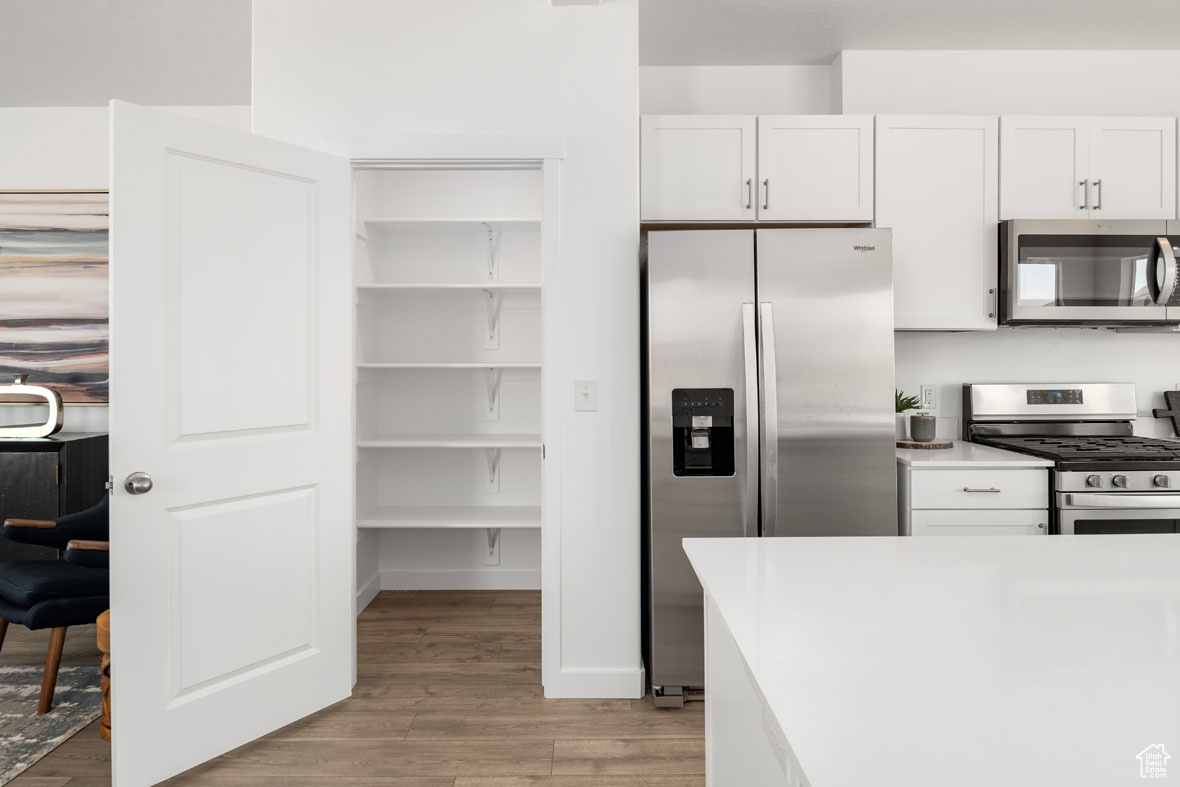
[[57, 594]]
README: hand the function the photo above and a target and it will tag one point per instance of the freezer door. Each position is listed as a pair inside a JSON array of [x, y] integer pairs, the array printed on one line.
[[701, 384], [826, 320]]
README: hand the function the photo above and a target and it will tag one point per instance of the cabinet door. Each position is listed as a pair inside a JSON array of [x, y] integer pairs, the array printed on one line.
[[1043, 167], [1133, 168], [697, 168], [979, 523], [937, 179], [815, 168]]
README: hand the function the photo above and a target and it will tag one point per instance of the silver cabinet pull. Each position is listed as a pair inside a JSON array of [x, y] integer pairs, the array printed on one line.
[[992, 311], [989, 489], [1098, 188], [749, 193], [1085, 184], [766, 194], [1041, 525]]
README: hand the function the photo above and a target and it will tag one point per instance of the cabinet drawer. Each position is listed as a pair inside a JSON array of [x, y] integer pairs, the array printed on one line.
[[979, 489], [979, 523]]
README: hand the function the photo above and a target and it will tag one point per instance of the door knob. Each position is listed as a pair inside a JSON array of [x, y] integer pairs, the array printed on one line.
[[138, 484]]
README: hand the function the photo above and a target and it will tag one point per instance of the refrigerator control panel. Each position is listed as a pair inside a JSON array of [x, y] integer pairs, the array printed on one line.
[[702, 432]]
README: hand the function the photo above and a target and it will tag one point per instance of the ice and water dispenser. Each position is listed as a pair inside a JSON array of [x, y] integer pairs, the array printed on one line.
[[702, 431]]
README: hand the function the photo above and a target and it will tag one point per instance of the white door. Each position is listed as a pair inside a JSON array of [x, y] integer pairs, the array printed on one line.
[[697, 168], [231, 386], [815, 167], [1133, 168], [936, 189], [1044, 163]]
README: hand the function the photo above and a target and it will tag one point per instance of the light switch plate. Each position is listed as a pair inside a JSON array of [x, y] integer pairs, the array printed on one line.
[[586, 395]]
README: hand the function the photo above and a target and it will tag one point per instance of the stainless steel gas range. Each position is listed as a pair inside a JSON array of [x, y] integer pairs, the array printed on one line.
[[1105, 478]]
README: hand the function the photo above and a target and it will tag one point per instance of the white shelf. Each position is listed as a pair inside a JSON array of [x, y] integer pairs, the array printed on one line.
[[462, 365], [451, 441], [448, 287], [396, 220], [450, 517]]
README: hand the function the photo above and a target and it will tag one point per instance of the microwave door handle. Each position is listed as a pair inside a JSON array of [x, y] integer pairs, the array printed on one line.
[[769, 396], [1162, 287], [750, 357]]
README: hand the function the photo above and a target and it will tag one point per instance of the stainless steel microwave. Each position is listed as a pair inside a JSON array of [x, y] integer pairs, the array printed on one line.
[[1080, 272]]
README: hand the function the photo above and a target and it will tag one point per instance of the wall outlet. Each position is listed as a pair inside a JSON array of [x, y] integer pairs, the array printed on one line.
[[929, 397], [586, 395]]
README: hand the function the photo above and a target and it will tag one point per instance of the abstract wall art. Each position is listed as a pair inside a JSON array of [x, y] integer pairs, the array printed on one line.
[[53, 291]]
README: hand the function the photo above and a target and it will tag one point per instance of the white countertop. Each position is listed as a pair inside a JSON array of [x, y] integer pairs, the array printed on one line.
[[968, 455], [993, 661]]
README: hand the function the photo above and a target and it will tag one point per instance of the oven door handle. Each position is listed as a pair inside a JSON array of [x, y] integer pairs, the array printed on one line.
[[1162, 286], [1090, 500]]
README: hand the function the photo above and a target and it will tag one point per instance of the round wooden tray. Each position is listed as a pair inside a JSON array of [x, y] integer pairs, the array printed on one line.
[[937, 444]]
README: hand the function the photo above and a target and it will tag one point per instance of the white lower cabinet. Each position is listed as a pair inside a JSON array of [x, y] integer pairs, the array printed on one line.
[[984, 501], [967, 522]]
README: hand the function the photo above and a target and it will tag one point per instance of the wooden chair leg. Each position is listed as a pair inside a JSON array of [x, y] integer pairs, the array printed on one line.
[[57, 640], [3, 631]]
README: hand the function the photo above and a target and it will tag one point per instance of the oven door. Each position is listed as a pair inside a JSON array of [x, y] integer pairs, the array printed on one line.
[[1087, 273], [1097, 514]]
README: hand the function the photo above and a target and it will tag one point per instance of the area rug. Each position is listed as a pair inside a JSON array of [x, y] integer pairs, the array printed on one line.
[[26, 737]]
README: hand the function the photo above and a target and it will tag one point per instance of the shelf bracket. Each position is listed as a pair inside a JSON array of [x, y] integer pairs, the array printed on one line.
[[493, 251], [493, 304], [493, 457], [495, 376]]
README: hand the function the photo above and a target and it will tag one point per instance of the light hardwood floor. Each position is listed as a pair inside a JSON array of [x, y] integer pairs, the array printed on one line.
[[448, 695]]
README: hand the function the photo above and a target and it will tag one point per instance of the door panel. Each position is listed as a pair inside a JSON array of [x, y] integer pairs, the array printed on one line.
[[833, 363], [231, 369], [815, 168], [697, 284], [697, 167], [937, 180], [1133, 167], [1043, 167]]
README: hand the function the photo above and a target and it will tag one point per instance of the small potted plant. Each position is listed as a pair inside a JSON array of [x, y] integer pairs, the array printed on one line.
[[903, 403]]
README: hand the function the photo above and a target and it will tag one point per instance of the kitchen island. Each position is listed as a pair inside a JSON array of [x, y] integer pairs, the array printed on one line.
[[964, 661]]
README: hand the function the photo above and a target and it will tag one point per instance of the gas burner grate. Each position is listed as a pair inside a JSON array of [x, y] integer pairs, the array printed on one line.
[[1107, 448]]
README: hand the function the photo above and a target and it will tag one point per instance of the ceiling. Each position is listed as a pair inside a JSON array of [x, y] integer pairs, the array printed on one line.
[[810, 32], [157, 52]]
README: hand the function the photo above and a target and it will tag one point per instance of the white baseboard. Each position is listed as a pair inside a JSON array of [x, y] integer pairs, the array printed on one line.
[[367, 592], [598, 684], [470, 579]]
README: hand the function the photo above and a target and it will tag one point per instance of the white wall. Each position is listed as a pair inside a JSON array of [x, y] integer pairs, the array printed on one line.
[[735, 90], [1010, 82], [1083, 83], [67, 148], [515, 67]]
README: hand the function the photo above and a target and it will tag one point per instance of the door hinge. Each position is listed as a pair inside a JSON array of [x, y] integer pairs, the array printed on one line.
[[542, 450], [110, 484]]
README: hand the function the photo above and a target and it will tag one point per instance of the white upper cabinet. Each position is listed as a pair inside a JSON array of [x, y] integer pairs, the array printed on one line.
[[1081, 167], [937, 190], [815, 167], [1043, 165], [1133, 168], [697, 168]]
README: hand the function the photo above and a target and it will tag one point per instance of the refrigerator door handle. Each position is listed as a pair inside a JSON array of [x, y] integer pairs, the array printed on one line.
[[750, 357], [769, 397]]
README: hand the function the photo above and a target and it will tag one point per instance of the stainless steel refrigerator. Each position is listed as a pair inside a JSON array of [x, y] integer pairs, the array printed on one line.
[[769, 397]]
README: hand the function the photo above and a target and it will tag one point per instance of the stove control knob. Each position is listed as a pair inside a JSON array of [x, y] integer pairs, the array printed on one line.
[[1093, 480], [1120, 481], [1162, 480]]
